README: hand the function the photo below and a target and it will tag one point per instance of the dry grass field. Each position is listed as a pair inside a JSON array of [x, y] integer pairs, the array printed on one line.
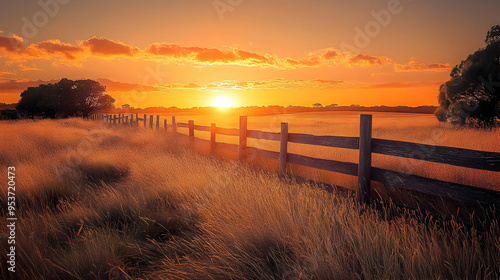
[[97, 202]]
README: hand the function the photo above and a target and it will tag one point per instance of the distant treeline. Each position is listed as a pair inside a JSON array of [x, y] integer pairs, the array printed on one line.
[[271, 110], [256, 111]]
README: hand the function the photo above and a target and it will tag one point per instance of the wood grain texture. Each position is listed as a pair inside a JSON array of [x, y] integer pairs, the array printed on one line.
[[448, 155], [329, 141], [461, 193]]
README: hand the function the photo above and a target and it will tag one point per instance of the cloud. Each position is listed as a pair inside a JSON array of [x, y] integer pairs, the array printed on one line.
[[105, 47], [402, 85], [180, 86], [72, 55], [51, 48], [200, 55], [415, 65], [12, 44], [330, 54], [369, 60], [119, 86], [23, 67], [17, 86], [6, 73], [330, 57], [276, 83]]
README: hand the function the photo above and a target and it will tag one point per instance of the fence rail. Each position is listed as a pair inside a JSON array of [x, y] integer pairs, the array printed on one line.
[[366, 145]]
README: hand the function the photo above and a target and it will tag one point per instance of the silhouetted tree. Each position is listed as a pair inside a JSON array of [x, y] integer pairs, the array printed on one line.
[[493, 35], [65, 98], [317, 105], [472, 95]]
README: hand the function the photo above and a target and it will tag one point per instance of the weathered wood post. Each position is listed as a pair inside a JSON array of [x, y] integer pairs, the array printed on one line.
[[126, 120], [114, 119], [119, 118], [191, 131], [213, 129], [157, 122], [165, 124], [365, 159], [191, 128], [151, 121], [174, 125], [145, 121], [243, 138], [131, 119], [283, 149]]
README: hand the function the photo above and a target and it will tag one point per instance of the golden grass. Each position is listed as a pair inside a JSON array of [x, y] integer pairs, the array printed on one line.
[[100, 203]]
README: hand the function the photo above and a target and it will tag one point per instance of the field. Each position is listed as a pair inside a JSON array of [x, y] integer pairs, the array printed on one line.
[[99, 202]]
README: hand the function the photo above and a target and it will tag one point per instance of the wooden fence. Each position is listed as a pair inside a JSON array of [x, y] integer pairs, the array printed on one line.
[[364, 143]]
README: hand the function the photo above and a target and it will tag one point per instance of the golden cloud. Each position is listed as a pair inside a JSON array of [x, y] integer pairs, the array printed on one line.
[[415, 65]]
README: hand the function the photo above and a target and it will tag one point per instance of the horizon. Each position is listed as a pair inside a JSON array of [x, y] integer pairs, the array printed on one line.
[[243, 53]]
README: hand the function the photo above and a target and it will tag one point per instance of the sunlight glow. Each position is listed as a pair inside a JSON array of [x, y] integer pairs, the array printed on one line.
[[222, 102]]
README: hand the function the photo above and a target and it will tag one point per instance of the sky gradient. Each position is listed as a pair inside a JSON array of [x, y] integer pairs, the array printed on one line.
[[252, 52]]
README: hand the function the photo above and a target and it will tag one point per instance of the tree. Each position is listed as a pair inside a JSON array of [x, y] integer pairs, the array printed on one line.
[[317, 105], [493, 35], [472, 96], [65, 98]]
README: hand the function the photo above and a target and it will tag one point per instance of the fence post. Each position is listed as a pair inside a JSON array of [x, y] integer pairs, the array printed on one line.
[[131, 119], [126, 120], [243, 137], [174, 125], [114, 119], [145, 120], [365, 159], [120, 118], [283, 149], [191, 132], [191, 128], [165, 124], [213, 129], [151, 121], [157, 122]]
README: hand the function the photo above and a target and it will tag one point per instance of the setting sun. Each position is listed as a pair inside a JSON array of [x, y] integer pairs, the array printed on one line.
[[222, 102]]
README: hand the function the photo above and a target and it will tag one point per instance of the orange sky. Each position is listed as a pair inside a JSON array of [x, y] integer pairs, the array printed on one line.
[[252, 52]]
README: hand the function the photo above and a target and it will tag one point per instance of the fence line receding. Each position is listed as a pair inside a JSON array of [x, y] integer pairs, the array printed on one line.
[[365, 144]]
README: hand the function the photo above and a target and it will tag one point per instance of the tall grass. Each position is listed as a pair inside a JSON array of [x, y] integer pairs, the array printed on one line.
[[121, 203]]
